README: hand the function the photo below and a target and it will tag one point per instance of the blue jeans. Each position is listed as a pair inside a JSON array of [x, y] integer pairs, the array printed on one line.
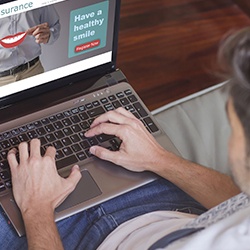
[[87, 230]]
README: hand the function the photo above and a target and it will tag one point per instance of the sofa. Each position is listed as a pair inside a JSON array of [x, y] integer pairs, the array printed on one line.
[[198, 127]]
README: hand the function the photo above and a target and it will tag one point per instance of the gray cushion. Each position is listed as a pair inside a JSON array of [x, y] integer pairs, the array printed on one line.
[[198, 127]]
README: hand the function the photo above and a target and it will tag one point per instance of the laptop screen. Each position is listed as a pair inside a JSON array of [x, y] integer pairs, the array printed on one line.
[[45, 44]]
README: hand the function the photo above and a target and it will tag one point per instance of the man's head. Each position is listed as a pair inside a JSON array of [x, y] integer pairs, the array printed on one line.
[[234, 55]]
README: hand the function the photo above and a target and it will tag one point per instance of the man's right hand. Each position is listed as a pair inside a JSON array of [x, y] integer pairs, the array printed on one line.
[[41, 33], [36, 182]]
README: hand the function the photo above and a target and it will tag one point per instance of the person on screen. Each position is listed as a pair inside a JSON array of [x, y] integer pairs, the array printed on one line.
[[21, 36]]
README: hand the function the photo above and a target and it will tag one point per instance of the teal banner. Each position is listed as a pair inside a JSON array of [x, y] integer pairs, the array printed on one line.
[[88, 28]]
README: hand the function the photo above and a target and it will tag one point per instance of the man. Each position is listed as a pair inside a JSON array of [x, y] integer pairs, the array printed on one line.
[[21, 36], [146, 217]]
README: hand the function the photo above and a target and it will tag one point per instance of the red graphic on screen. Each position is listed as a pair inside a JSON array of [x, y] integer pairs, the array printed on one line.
[[13, 40], [86, 46]]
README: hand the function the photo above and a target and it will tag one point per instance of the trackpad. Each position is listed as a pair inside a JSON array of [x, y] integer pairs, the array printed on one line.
[[85, 190]]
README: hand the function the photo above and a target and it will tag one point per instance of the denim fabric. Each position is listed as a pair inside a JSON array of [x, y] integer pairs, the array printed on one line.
[[87, 230]]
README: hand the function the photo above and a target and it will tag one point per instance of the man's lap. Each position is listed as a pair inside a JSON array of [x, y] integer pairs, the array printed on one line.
[[86, 230]]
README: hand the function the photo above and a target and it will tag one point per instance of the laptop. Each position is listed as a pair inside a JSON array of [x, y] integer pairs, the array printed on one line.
[[79, 82]]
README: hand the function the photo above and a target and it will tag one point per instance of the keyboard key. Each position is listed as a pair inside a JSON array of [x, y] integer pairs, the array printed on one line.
[[153, 128], [32, 134], [138, 107], [15, 132], [67, 131], [5, 144], [58, 125], [132, 98], [96, 111], [45, 121], [66, 141], [66, 122], [124, 101], [75, 138], [75, 119], [67, 151], [92, 141], [23, 129], [120, 95], [96, 103], [130, 108], [57, 144], [104, 100], [74, 111], [83, 116], [76, 128], [4, 154], [67, 113], [116, 104], [76, 148], [84, 125], [50, 137], [104, 137], [8, 184], [41, 131], [70, 160], [128, 92], [136, 115], [81, 156], [49, 128], [43, 141], [23, 138], [112, 98], [2, 187], [59, 134], [4, 165], [81, 108], [87, 152], [82, 136], [14, 141], [5, 175], [60, 116], [7, 135], [38, 124], [89, 106], [109, 107], [59, 154], [52, 118], [90, 121], [85, 144], [115, 143]]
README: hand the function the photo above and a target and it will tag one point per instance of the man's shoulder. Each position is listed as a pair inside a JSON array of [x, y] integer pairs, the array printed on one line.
[[229, 233], [221, 211]]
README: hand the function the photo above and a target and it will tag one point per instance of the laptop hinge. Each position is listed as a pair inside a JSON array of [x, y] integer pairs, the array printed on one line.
[[115, 77]]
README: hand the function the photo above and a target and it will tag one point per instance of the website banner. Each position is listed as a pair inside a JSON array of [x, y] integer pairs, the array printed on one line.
[[20, 6]]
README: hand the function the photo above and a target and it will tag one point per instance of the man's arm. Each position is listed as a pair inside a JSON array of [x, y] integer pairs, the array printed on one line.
[[41, 229], [48, 30], [207, 186], [139, 151], [38, 190]]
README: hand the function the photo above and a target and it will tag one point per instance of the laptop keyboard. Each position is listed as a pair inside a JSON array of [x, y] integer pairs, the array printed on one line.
[[65, 131]]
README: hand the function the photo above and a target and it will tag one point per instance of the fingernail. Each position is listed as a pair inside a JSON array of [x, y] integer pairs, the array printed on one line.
[[92, 150], [76, 167]]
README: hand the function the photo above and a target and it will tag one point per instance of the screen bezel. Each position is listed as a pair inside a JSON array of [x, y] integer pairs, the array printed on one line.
[[81, 76]]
